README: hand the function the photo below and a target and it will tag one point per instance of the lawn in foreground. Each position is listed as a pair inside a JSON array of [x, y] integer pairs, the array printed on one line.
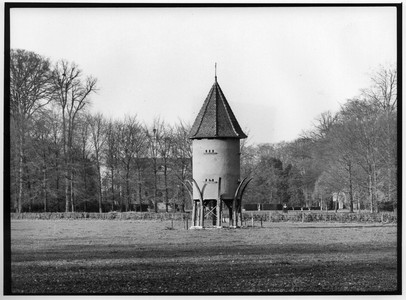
[[109, 257]]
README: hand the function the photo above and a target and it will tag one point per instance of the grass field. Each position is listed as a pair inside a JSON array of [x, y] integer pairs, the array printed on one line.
[[120, 257]]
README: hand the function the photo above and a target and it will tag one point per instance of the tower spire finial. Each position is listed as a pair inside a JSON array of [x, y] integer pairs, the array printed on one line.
[[215, 72]]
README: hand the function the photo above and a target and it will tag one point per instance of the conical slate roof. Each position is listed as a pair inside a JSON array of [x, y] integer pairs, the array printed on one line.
[[216, 119]]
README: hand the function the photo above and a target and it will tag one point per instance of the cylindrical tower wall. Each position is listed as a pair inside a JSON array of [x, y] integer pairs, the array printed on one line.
[[214, 158]]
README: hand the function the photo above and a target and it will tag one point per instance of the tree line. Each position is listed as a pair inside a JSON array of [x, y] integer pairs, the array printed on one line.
[[351, 154], [64, 158]]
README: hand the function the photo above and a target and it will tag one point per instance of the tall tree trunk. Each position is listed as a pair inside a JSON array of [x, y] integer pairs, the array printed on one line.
[[57, 180], [183, 199], [127, 182], [389, 156], [166, 188], [45, 191], [57, 192], [375, 187], [139, 187], [66, 191], [351, 195], [72, 167], [30, 195], [16, 183], [99, 183], [120, 194], [389, 184], [85, 183], [66, 162], [20, 176], [155, 188], [371, 196], [21, 140], [72, 190], [183, 189], [112, 189]]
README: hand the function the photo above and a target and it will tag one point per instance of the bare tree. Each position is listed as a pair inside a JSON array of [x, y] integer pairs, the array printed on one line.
[[152, 138], [85, 138], [164, 137], [42, 138], [321, 126], [29, 92], [56, 147], [72, 94], [383, 94], [97, 126], [112, 156], [334, 149], [181, 153], [362, 117], [131, 144]]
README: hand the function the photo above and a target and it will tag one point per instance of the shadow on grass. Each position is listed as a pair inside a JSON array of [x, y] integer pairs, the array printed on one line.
[[145, 251], [205, 277]]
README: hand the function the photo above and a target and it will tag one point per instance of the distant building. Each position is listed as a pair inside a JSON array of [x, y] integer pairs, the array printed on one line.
[[342, 200]]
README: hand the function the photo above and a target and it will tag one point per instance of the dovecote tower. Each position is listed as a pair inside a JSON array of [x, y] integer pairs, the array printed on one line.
[[216, 180]]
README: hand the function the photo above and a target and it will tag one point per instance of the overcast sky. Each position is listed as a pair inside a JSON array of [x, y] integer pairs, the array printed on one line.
[[278, 67]]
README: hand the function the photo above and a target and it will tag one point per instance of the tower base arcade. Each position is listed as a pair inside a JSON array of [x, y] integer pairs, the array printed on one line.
[[225, 211]]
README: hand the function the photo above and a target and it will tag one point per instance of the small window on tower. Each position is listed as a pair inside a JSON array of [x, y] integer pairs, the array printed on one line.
[[209, 152]]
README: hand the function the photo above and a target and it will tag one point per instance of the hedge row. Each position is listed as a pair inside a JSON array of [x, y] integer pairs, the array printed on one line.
[[385, 217], [268, 206], [101, 216]]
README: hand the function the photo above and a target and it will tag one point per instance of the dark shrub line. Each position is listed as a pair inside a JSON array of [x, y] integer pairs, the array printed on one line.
[[364, 217], [386, 217]]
